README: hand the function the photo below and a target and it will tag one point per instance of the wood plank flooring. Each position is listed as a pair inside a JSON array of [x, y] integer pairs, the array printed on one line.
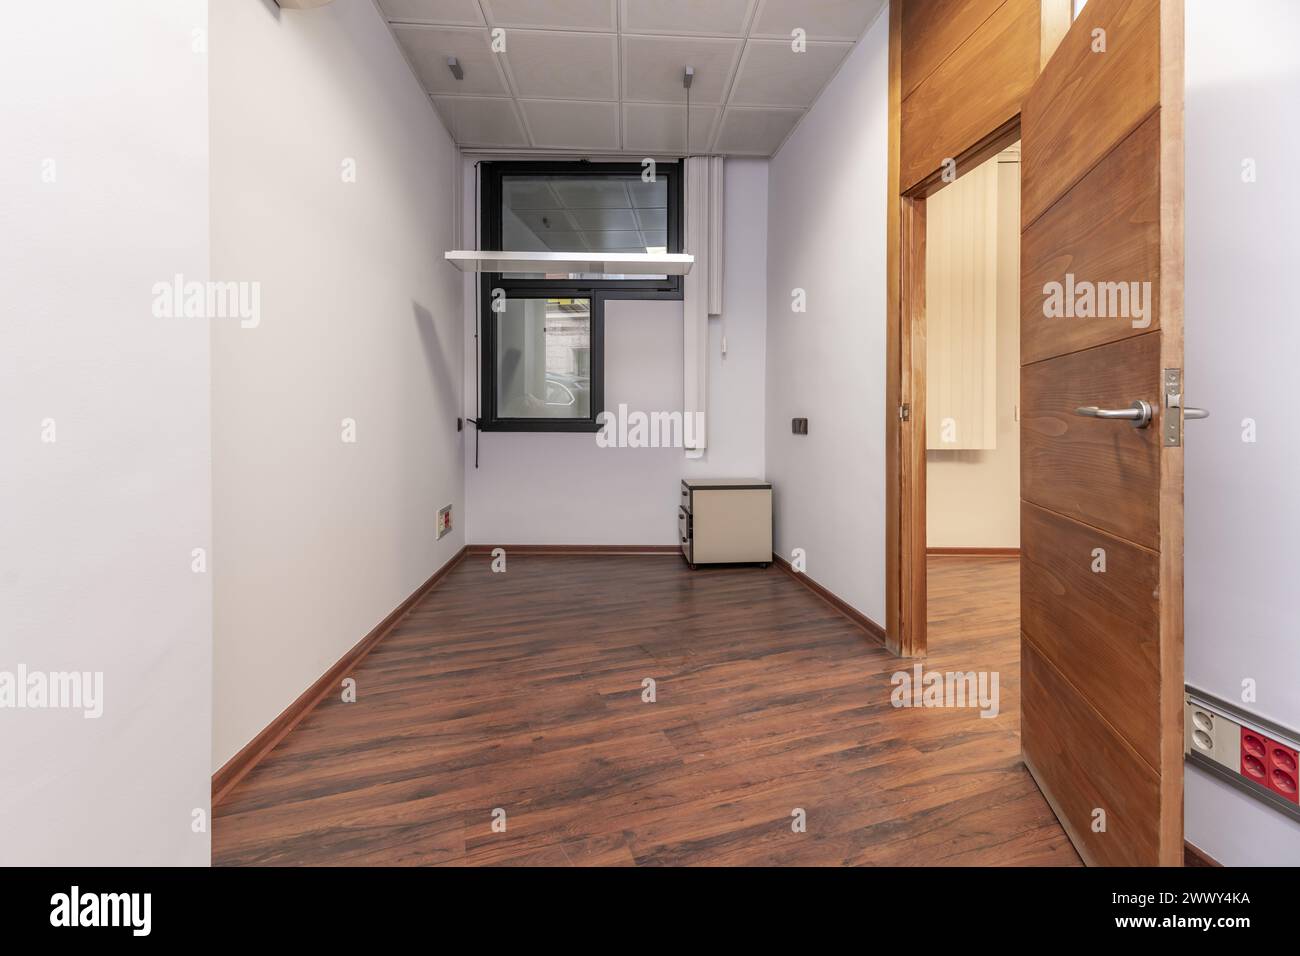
[[523, 691]]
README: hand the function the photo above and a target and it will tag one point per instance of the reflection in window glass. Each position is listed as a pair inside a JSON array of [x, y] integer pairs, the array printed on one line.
[[543, 358], [591, 213]]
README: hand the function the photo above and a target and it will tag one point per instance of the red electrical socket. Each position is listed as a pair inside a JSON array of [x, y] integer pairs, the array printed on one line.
[[1282, 767], [1254, 756], [1270, 764]]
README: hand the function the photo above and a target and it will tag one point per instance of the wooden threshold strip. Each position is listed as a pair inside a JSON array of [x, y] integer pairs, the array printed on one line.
[[853, 614], [973, 552], [238, 766]]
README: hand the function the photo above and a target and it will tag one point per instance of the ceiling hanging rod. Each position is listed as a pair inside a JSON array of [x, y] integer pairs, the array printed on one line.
[[688, 77]]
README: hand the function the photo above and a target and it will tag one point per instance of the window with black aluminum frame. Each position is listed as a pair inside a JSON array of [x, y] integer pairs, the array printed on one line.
[[542, 338]]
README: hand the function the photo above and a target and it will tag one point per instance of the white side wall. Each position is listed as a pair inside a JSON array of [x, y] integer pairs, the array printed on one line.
[[317, 540], [1243, 80], [554, 488], [826, 204], [104, 192]]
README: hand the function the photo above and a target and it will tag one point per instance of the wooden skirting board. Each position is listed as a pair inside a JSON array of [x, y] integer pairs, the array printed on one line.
[[1195, 856], [587, 549], [238, 766], [852, 613], [974, 552]]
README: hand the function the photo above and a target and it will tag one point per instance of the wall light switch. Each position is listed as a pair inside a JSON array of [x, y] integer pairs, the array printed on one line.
[[444, 521]]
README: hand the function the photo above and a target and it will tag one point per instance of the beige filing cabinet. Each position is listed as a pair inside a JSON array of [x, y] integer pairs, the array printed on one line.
[[725, 521]]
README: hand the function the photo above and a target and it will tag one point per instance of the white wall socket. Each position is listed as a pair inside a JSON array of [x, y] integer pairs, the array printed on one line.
[[1212, 735]]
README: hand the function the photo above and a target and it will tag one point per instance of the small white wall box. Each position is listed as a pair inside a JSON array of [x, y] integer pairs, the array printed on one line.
[[725, 521], [444, 521], [1211, 735]]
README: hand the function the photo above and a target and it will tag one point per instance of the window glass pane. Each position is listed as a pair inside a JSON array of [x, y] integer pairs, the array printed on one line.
[[543, 360], [589, 213]]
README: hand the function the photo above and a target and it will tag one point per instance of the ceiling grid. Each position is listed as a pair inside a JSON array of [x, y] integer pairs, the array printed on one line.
[[605, 76]]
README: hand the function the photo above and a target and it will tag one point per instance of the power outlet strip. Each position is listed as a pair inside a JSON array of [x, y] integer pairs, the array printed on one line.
[[1212, 735], [1255, 755]]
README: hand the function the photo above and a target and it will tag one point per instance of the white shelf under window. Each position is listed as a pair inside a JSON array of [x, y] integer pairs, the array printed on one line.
[[544, 263]]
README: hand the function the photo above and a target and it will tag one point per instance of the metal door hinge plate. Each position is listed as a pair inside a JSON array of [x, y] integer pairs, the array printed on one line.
[[904, 412]]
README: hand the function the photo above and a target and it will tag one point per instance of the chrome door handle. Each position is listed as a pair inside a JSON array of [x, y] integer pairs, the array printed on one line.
[[1196, 413], [1139, 414]]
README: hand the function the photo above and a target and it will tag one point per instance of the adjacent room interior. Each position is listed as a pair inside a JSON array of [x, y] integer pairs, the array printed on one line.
[[972, 410]]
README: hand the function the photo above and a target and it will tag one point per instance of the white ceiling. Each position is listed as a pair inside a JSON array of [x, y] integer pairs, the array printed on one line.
[[606, 75]]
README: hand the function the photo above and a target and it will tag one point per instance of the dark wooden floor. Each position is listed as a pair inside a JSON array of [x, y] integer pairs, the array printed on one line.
[[522, 691]]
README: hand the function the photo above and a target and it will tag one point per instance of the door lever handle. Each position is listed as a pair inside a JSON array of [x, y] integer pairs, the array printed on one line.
[[1139, 413]]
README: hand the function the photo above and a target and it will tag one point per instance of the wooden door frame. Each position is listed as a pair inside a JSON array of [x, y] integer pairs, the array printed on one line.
[[905, 473]]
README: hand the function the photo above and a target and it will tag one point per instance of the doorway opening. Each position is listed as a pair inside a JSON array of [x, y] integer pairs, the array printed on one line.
[[971, 361]]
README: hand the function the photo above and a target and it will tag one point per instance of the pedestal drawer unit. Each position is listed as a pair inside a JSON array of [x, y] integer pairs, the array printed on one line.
[[725, 521]]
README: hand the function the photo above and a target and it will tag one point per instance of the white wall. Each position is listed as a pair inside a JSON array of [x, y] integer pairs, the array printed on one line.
[[317, 540], [555, 488], [98, 525], [1243, 78], [826, 204]]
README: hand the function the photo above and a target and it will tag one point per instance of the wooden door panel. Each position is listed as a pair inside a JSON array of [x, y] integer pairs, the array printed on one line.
[[1103, 473], [1082, 765], [933, 30], [1085, 102], [1105, 229], [975, 91], [1099, 627], [1101, 653]]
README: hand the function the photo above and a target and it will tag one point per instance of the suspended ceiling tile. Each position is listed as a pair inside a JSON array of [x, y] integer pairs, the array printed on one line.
[[541, 221], [652, 220], [481, 120], [616, 241], [648, 196], [773, 74], [573, 125], [552, 240], [606, 220], [712, 18], [755, 132], [653, 68], [556, 65], [592, 194], [428, 49], [661, 128], [529, 193], [585, 15], [824, 20], [448, 12]]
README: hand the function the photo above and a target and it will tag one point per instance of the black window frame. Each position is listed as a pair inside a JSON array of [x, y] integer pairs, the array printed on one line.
[[491, 421], [597, 291]]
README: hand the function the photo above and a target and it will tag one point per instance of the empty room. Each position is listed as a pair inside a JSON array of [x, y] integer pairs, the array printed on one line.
[[649, 433]]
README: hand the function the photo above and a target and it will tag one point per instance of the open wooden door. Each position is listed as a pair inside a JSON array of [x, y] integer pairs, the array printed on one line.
[[1102, 490]]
